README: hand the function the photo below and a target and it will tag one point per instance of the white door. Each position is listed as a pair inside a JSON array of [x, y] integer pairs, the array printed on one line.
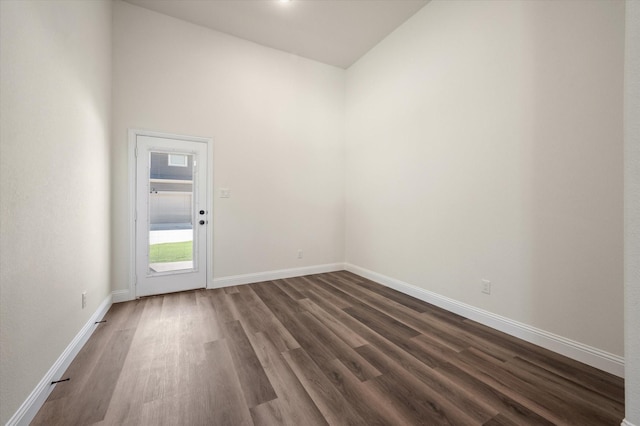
[[171, 215]]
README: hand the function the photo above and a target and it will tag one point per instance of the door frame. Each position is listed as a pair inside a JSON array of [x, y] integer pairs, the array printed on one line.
[[133, 136]]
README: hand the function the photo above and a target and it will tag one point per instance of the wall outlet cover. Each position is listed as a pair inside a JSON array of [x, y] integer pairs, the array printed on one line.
[[486, 286]]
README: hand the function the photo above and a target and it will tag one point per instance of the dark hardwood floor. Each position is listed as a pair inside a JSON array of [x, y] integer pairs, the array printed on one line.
[[323, 349]]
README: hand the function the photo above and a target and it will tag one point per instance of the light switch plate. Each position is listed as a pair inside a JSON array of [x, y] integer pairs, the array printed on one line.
[[486, 286]]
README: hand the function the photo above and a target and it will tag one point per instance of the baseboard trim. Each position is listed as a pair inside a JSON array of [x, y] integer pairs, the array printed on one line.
[[125, 295], [589, 355], [119, 296], [625, 422], [39, 395], [275, 275]]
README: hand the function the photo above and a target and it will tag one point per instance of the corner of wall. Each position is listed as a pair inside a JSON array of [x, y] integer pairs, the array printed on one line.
[[30, 407], [589, 355]]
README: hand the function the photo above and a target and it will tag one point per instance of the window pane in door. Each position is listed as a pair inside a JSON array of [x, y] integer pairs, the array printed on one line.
[[170, 212]]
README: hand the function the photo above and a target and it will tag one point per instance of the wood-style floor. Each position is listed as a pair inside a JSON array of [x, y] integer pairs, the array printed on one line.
[[323, 349]]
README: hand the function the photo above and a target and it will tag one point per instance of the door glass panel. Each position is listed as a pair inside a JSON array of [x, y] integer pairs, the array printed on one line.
[[170, 212]]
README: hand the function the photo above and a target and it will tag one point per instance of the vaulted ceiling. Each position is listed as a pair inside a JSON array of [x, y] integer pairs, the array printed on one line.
[[335, 32]]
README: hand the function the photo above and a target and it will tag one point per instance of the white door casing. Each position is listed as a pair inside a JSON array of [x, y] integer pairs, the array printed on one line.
[[190, 207]]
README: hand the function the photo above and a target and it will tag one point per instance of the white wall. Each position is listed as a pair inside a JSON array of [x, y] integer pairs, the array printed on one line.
[[277, 125], [632, 212], [484, 140], [55, 80]]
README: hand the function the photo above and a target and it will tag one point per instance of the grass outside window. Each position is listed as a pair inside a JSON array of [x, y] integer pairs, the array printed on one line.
[[171, 252]]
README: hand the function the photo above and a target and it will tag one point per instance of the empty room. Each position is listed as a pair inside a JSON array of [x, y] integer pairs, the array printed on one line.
[[320, 212]]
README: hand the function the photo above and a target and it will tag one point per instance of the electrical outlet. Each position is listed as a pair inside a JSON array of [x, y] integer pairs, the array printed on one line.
[[486, 286], [84, 299], [300, 254]]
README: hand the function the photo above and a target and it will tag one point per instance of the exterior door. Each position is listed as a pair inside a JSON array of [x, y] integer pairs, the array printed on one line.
[[171, 215]]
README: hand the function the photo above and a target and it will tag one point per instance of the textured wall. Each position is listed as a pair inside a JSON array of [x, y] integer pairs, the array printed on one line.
[[277, 126], [632, 212], [485, 141], [55, 80]]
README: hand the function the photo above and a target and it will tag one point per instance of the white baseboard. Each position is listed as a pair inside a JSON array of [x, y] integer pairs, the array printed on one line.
[[125, 295], [625, 422], [39, 395], [121, 296], [275, 275], [589, 355]]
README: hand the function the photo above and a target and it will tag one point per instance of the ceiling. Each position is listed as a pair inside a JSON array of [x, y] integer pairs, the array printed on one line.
[[335, 32]]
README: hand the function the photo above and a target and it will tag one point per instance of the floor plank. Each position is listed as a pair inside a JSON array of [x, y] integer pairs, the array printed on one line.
[[327, 398], [267, 414], [427, 402], [254, 382], [226, 402], [296, 405]]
